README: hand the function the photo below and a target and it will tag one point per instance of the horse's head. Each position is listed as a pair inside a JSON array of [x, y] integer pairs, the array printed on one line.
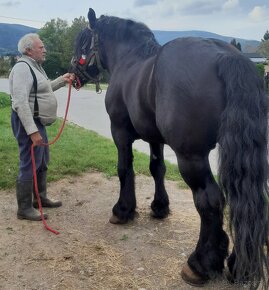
[[108, 41], [86, 62]]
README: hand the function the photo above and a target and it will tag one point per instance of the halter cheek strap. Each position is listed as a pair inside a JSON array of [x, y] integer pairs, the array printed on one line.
[[92, 59]]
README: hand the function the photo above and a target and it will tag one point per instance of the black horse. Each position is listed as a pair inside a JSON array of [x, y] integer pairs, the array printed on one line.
[[191, 94]]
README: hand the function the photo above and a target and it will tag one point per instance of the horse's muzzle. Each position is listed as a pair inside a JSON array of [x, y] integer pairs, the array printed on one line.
[[84, 72]]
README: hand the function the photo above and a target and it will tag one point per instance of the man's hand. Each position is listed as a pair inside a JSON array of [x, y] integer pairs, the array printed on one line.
[[68, 76], [36, 139]]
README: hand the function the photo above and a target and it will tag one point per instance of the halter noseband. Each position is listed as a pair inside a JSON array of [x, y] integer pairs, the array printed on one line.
[[89, 60]]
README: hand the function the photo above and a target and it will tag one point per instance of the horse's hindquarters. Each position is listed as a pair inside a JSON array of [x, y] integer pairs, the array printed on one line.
[[189, 97]]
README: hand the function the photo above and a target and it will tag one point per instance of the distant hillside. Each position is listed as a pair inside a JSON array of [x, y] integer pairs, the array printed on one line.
[[165, 36], [11, 33]]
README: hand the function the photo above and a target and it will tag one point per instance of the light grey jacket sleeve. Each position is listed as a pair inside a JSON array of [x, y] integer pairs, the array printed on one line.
[[57, 83], [21, 83]]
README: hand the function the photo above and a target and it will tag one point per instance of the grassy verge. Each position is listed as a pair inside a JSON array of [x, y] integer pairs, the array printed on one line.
[[92, 86], [78, 150]]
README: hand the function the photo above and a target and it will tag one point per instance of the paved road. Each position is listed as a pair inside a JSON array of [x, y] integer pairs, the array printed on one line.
[[87, 109]]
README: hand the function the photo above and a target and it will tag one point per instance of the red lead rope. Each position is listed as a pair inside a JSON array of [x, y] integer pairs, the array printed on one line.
[[34, 165]]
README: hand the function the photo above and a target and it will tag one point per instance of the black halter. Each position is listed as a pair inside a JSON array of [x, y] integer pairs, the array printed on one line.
[[89, 60]]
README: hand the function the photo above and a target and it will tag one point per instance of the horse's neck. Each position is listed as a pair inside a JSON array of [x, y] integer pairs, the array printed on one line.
[[112, 55], [121, 55]]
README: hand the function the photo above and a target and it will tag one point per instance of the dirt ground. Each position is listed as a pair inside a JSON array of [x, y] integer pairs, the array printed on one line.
[[91, 253]]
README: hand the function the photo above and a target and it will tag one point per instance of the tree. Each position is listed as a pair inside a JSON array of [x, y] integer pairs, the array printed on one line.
[[4, 67], [77, 25], [263, 48], [53, 35], [260, 68], [236, 44], [59, 39], [266, 36], [13, 60]]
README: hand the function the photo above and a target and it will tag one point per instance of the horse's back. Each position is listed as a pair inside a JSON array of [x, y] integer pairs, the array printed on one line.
[[189, 95]]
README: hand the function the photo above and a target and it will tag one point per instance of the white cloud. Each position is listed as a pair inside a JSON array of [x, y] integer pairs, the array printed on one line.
[[138, 3], [10, 3], [259, 13], [230, 4], [199, 7]]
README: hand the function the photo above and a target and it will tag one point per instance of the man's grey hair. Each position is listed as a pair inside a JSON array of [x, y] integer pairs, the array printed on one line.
[[26, 42]]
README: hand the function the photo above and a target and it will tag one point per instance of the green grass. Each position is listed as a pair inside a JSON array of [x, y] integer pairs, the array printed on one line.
[[78, 150], [92, 86]]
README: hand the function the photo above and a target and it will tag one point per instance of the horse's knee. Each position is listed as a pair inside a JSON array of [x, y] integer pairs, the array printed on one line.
[[124, 173]]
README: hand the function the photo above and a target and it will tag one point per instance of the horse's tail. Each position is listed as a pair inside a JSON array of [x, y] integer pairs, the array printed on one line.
[[243, 169]]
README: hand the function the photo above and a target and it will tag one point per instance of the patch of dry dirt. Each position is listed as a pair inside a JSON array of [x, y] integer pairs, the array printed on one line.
[[91, 253]]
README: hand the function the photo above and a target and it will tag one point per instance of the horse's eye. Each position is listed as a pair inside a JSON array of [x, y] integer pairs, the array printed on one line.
[[74, 61]]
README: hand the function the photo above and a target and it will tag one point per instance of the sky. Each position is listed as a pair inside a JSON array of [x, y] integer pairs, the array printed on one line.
[[248, 19]]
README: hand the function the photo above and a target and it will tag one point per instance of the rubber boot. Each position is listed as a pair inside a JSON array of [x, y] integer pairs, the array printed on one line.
[[25, 202], [42, 189]]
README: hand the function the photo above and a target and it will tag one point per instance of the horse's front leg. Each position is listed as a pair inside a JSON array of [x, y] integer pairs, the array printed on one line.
[[160, 204], [124, 209]]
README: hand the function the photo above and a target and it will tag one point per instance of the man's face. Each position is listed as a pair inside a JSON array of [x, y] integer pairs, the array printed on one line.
[[38, 52]]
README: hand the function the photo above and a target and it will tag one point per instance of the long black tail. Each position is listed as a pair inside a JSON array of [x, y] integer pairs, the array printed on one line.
[[244, 167]]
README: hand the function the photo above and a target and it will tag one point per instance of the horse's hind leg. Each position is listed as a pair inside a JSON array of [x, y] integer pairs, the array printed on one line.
[[160, 204], [212, 248]]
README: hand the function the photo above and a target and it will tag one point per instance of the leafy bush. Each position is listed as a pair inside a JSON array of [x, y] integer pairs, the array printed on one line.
[[4, 67], [260, 68], [4, 100]]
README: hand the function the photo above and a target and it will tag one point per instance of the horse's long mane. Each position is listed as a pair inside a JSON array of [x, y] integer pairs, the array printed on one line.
[[137, 34]]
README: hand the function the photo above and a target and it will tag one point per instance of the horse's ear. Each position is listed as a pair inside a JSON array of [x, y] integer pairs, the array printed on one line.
[[92, 18]]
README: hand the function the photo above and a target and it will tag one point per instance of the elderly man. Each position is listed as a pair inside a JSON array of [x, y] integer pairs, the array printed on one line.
[[34, 106]]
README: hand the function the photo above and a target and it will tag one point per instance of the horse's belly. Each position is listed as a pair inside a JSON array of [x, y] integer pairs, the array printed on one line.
[[148, 130]]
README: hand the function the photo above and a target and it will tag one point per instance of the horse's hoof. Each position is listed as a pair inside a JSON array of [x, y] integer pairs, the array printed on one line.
[[192, 278], [159, 216], [115, 220], [229, 276]]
